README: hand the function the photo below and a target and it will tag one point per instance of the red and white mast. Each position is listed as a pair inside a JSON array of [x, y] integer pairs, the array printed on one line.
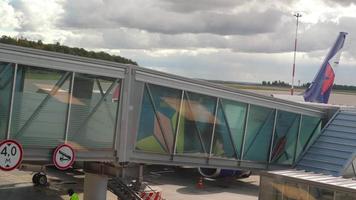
[[295, 51]]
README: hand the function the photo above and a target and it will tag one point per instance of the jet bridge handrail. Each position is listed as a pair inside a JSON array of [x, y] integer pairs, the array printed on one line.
[[57, 55], [60, 61]]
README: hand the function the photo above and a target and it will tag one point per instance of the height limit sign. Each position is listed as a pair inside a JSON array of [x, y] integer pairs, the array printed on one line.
[[10, 155]]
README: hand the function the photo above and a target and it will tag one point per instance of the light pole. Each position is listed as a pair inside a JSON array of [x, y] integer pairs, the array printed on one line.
[[297, 15]]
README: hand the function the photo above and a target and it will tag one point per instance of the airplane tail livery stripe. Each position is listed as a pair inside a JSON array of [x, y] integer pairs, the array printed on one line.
[[320, 88], [328, 81]]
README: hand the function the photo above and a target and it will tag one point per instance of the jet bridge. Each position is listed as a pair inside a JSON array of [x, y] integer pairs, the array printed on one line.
[[111, 112]]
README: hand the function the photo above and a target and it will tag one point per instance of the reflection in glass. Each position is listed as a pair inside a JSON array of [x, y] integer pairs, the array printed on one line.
[[271, 189], [166, 102], [222, 142], [196, 123], [285, 136], [6, 80], [229, 128], [167, 111], [344, 196], [40, 106], [277, 188], [158, 121], [295, 191], [93, 112], [149, 129], [320, 193], [259, 131], [309, 130], [235, 113]]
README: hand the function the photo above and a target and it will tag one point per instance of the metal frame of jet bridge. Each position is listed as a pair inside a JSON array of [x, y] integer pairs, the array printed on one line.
[[138, 86]]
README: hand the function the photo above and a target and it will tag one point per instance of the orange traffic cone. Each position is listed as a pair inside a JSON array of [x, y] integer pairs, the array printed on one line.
[[200, 184]]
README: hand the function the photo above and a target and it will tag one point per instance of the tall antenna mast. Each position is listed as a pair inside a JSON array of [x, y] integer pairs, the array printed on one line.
[[297, 15]]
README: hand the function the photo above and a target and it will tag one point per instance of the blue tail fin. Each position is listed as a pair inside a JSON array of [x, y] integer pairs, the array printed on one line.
[[320, 88]]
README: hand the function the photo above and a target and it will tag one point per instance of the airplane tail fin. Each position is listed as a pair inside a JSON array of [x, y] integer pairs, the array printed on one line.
[[319, 90]]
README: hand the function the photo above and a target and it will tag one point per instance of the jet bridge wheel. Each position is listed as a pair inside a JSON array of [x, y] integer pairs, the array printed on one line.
[[39, 179]]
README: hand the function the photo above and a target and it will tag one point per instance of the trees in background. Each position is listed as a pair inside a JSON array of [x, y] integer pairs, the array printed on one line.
[[306, 85], [276, 83], [57, 47]]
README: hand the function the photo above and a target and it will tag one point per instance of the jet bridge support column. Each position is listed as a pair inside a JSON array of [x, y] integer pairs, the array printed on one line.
[[95, 186]]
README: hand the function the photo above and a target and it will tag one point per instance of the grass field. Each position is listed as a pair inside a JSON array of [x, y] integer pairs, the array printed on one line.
[[275, 88]]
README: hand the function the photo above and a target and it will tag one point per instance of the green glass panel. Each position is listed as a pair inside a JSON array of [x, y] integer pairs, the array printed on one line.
[[149, 137], [166, 102], [222, 144], [271, 189], [158, 120], [285, 137], [196, 123], [93, 112], [147, 118], [150, 144], [40, 106], [259, 132], [320, 193], [188, 140], [310, 129], [203, 110], [235, 113], [344, 196], [295, 191], [6, 80]]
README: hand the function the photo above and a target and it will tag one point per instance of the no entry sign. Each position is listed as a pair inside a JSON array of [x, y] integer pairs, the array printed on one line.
[[10, 155], [63, 156]]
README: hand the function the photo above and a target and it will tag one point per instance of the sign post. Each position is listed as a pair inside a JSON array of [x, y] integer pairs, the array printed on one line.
[[10, 155], [63, 156]]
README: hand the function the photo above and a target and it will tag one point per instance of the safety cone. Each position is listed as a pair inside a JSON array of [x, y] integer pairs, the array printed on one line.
[[200, 184]]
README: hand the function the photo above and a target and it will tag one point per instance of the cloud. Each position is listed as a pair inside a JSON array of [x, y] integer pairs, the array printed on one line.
[[123, 38], [243, 40], [235, 66], [311, 37], [10, 19], [123, 25], [37, 15], [323, 34], [200, 5], [151, 18], [232, 66], [341, 2], [268, 30]]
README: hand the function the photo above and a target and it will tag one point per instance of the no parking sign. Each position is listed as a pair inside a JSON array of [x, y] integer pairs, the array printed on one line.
[[10, 155], [63, 156]]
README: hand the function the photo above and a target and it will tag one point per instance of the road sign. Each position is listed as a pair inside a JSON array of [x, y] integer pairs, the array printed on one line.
[[63, 156], [10, 155]]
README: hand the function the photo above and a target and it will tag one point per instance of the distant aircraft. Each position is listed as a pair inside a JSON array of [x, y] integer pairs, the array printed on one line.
[[216, 173], [319, 90]]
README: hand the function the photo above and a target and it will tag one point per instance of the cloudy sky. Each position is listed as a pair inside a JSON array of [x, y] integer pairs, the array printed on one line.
[[235, 40]]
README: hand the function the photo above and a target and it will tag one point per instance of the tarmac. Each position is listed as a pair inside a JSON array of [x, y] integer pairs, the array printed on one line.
[[336, 98], [17, 185], [175, 183], [181, 184]]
